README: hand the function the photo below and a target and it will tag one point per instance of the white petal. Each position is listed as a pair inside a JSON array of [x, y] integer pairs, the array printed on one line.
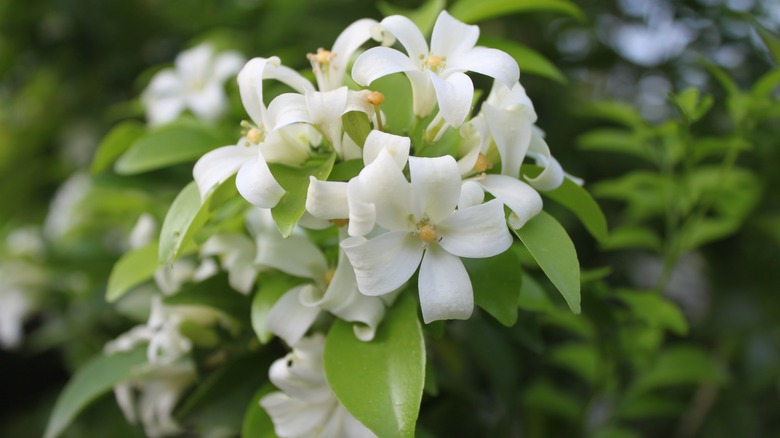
[[475, 137], [326, 107], [397, 146], [194, 63], [454, 95], [327, 199], [383, 263], [293, 417], [349, 149], [220, 164], [347, 42], [408, 34], [383, 184], [435, 186], [476, 232], [295, 255], [552, 176], [287, 109], [362, 214], [511, 130], [423, 93], [226, 65], [489, 62], [378, 62], [523, 200], [250, 86], [257, 185], [471, 194], [210, 103], [166, 83], [451, 38], [445, 287], [289, 318]]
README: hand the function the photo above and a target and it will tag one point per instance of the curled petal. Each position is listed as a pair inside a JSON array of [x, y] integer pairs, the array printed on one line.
[[452, 38], [423, 93], [397, 146], [289, 318], [552, 176], [293, 417], [489, 62], [471, 194], [347, 42], [378, 62], [384, 263], [435, 186], [287, 109], [454, 95], [250, 86], [445, 287], [257, 185], [362, 214], [327, 199], [408, 34], [523, 200], [220, 164], [476, 232]]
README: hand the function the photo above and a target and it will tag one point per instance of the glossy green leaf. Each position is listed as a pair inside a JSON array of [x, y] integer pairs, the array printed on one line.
[[134, 268], [473, 11], [680, 366], [655, 310], [398, 95], [269, 292], [346, 170], [529, 60], [257, 423], [496, 282], [357, 126], [577, 200], [181, 217], [179, 142], [114, 144], [93, 379], [551, 247], [380, 382], [295, 182], [424, 16]]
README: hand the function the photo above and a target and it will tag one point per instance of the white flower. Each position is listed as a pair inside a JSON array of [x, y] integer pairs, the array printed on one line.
[[330, 66], [195, 83], [15, 306], [306, 406], [423, 224], [436, 75]]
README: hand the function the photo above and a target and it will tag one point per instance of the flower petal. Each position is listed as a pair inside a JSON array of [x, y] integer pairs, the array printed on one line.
[[194, 63], [452, 38], [250, 86], [523, 200], [471, 194], [383, 184], [362, 214], [286, 109], [435, 186], [218, 165], [476, 232], [454, 95], [378, 62], [397, 146], [327, 199], [293, 417], [552, 176], [289, 318], [489, 62], [511, 130], [445, 287], [347, 42], [226, 65], [326, 107], [296, 255], [383, 263], [423, 93], [257, 185], [408, 34], [210, 103]]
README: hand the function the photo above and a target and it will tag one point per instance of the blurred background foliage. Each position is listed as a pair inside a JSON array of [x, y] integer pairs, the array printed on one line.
[[667, 109]]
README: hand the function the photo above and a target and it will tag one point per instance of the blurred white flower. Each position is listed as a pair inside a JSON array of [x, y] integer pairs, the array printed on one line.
[[15, 307], [195, 83], [305, 406]]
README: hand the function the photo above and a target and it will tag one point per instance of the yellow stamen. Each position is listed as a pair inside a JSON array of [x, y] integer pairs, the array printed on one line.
[[339, 222], [482, 164], [254, 136], [428, 233], [434, 61], [322, 56], [375, 98]]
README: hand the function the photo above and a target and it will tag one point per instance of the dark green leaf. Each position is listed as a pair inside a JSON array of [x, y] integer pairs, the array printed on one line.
[[680, 366], [533, 297], [544, 396], [132, 269], [257, 423], [215, 293], [632, 237], [616, 140], [553, 250], [529, 60], [496, 282], [346, 170], [295, 182], [770, 39], [655, 310], [579, 358], [615, 111], [182, 217], [357, 126], [95, 378], [380, 382], [473, 11], [114, 144]]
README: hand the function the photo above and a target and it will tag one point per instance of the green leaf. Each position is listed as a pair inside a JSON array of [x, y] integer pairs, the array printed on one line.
[[579, 358], [398, 102], [577, 200], [114, 144], [295, 182], [424, 16], [95, 378], [654, 310], [533, 297], [473, 11], [380, 382], [357, 126], [529, 60], [132, 269], [691, 105], [346, 170], [257, 423], [182, 217], [766, 84], [615, 111], [199, 334], [179, 142], [271, 289], [632, 237], [553, 250], [496, 282], [546, 397], [215, 293], [770, 39], [616, 140], [679, 366]]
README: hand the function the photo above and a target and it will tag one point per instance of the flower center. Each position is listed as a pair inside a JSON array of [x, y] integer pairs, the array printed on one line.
[[252, 133], [321, 57], [375, 98], [435, 62], [482, 164], [428, 233]]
